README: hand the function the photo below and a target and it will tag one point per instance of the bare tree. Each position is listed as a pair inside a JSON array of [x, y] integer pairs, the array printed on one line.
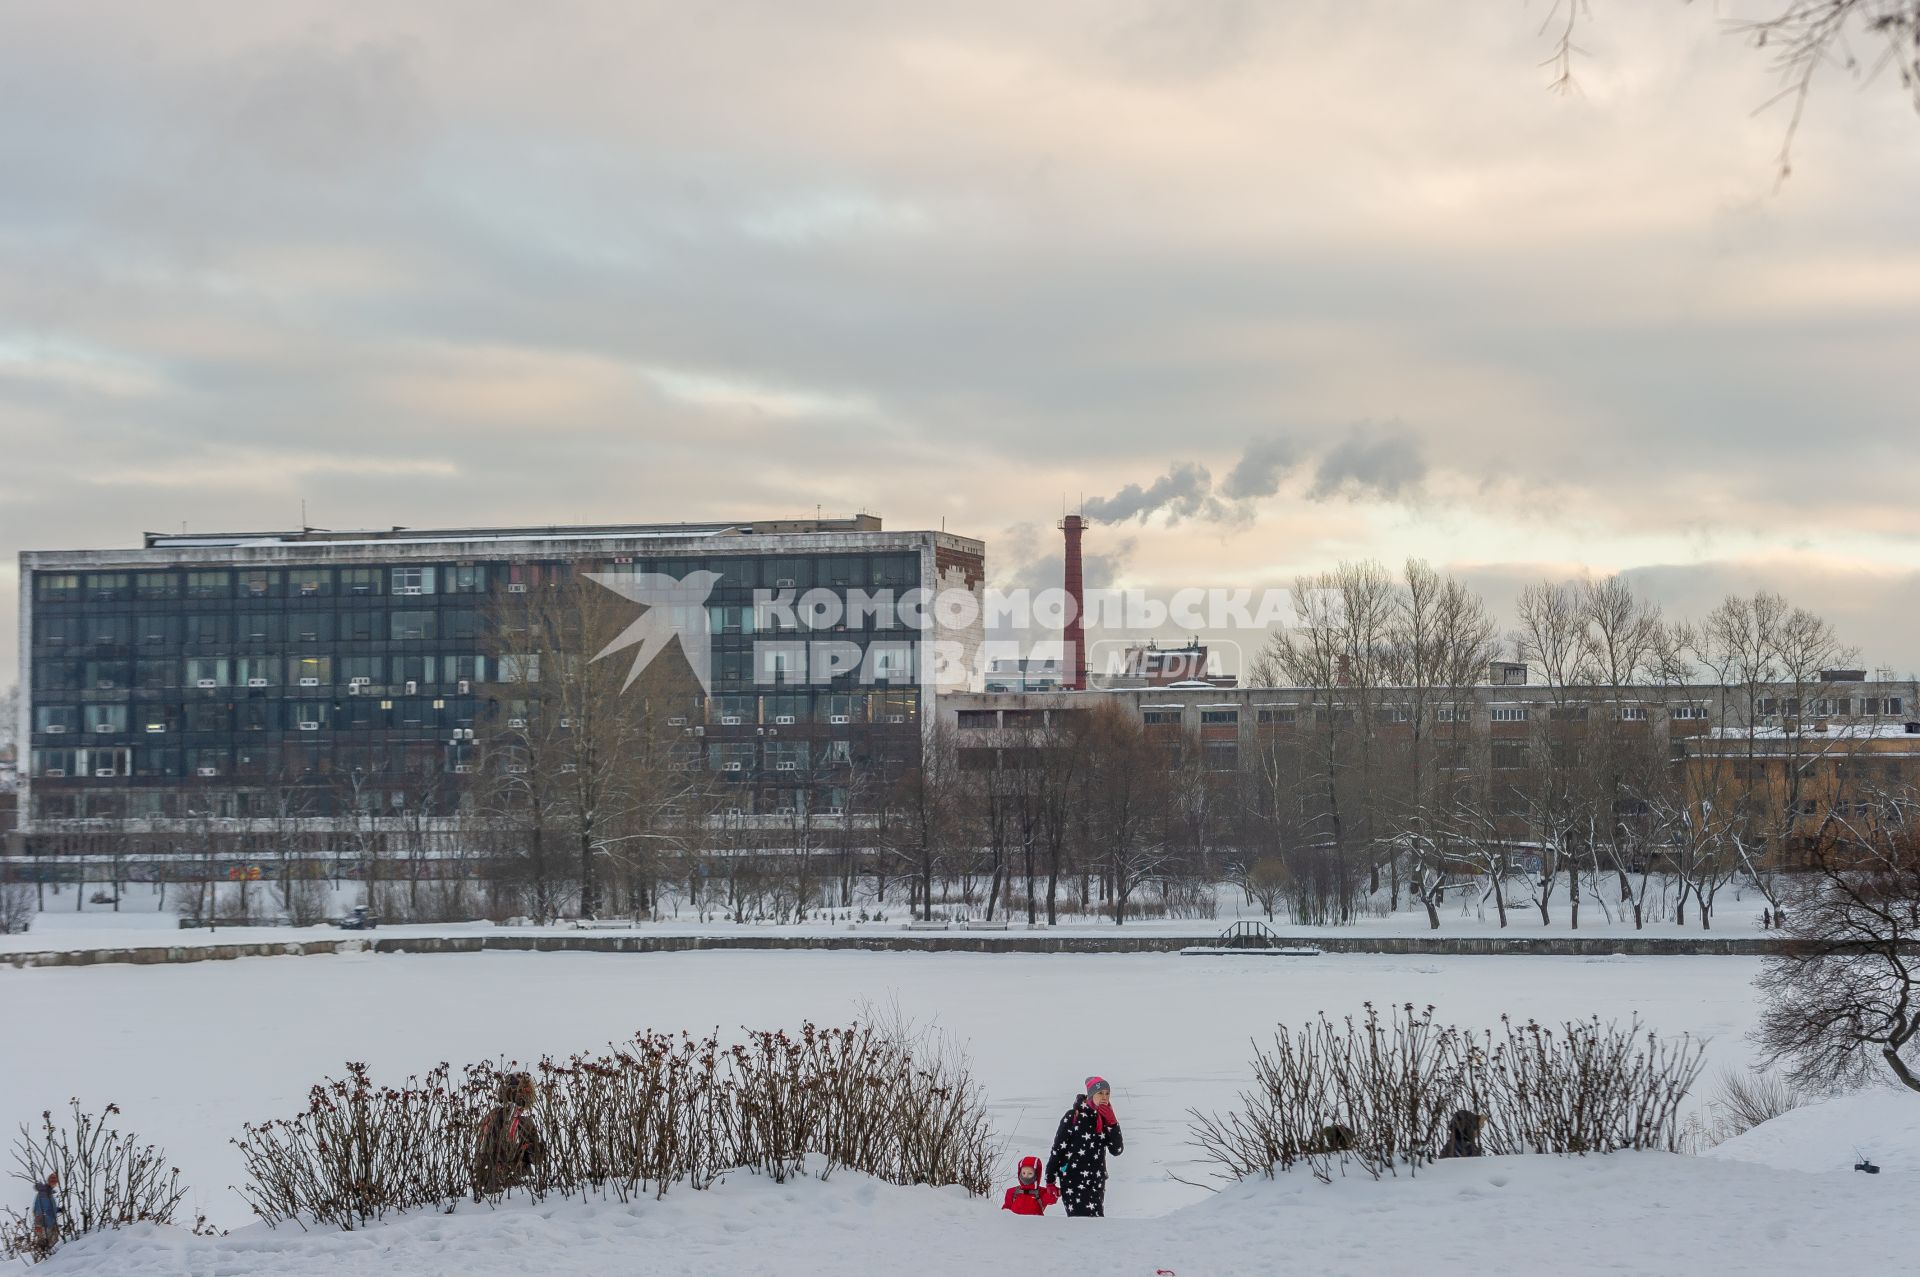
[[1802, 37], [1845, 991]]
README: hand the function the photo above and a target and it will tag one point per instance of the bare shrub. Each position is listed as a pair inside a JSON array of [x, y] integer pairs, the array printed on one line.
[[107, 1179], [656, 1111], [1745, 1100], [1387, 1088]]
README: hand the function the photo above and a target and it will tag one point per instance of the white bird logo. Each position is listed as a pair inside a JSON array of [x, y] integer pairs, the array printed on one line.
[[676, 610]]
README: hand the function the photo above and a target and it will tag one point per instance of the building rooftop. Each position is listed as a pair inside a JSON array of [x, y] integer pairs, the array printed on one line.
[[350, 536]]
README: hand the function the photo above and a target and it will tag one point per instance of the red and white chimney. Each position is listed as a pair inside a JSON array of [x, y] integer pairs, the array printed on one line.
[[1074, 637]]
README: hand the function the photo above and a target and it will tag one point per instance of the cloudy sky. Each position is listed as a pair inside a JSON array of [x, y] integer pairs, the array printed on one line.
[[1266, 285]]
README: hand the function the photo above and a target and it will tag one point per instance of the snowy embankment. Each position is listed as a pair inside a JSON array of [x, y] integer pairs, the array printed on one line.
[[142, 923], [1641, 1213]]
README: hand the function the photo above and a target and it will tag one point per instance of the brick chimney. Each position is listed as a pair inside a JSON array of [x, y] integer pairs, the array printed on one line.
[[1074, 666]]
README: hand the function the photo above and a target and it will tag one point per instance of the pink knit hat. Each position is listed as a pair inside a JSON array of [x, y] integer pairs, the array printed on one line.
[[1097, 1083]]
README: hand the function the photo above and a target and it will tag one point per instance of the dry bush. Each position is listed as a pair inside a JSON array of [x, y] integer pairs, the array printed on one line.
[[107, 1179], [1376, 1094], [656, 1111], [1748, 1099]]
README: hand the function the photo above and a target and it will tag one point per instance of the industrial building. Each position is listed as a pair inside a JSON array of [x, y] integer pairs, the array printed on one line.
[[201, 674]]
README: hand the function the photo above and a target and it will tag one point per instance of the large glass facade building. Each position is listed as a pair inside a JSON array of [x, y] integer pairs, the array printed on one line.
[[202, 674]]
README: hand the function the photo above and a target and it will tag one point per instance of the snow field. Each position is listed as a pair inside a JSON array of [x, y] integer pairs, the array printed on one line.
[[1627, 1215], [190, 1052]]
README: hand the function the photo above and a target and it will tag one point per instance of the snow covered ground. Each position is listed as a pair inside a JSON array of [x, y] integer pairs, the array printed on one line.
[[192, 1051], [1525, 1216]]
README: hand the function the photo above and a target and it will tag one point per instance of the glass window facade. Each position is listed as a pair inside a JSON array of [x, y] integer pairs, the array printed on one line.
[[290, 673]]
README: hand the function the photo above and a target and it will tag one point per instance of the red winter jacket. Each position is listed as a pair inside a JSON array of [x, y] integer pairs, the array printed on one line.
[[1022, 1200]]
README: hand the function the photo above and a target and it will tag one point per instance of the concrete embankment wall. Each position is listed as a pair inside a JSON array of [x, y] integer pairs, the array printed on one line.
[[897, 942]]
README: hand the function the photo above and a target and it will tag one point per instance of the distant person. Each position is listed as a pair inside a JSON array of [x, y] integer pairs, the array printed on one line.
[[509, 1145], [46, 1215], [1078, 1163], [1030, 1196], [1463, 1136]]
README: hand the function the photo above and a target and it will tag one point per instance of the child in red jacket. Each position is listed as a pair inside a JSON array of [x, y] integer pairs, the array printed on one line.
[[1030, 1196]]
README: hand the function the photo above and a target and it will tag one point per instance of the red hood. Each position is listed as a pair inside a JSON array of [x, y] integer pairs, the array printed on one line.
[[1033, 1162]]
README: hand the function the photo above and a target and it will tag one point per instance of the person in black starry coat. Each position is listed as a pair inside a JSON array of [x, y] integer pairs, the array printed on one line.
[[1078, 1163]]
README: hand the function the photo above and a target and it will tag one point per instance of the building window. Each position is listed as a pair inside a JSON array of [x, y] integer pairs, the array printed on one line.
[[1394, 714], [1160, 717], [360, 581], [975, 720], [261, 583], [208, 629], [1509, 755], [58, 720], [411, 626], [412, 580], [1690, 710], [520, 668], [150, 586], [1453, 714], [312, 671], [209, 585], [56, 587], [1222, 755], [107, 587], [310, 583], [106, 719], [1219, 717], [1633, 713], [1281, 714], [1567, 714], [1509, 714], [467, 578]]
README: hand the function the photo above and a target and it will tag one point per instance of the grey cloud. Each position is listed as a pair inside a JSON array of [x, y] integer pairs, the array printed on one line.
[[1385, 461]]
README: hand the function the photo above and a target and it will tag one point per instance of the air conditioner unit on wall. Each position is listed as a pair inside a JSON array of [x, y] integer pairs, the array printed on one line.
[[839, 720], [783, 719], [309, 682], [206, 771], [896, 718], [54, 773], [734, 767], [678, 720], [462, 769], [465, 687], [413, 688], [309, 726], [517, 587], [359, 680], [729, 720], [104, 773], [56, 729], [407, 589], [516, 722], [205, 683], [256, 682]]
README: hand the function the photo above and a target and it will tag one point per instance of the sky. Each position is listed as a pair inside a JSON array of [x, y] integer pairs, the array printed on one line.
[[1263, 286]]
